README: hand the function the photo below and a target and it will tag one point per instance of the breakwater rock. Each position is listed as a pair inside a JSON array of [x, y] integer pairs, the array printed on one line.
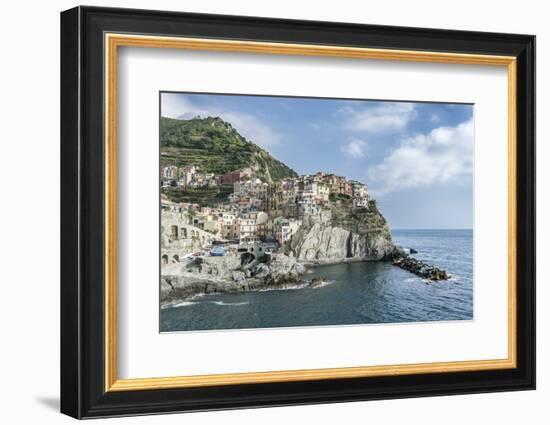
[[420, 268]]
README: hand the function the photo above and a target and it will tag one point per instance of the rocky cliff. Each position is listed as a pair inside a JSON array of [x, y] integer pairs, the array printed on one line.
[[351, 234]]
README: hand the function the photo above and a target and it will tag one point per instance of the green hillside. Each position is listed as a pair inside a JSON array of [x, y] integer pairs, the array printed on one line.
[[214, 146]]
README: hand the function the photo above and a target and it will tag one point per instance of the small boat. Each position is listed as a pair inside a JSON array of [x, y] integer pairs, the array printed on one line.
[[217, 251]]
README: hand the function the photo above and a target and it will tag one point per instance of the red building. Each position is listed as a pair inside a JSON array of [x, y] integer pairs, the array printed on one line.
[[232, 177]]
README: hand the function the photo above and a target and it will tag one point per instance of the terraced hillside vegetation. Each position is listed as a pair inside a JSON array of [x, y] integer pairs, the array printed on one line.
[[202, 195], [214, 146]]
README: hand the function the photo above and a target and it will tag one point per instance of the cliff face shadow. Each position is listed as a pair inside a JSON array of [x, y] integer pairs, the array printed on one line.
[[51, 403]]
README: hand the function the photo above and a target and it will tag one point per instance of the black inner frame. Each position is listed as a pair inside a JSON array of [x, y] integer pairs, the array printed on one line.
[[82, 209]]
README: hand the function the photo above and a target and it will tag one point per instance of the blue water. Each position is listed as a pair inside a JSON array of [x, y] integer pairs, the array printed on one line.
[[357, 293]]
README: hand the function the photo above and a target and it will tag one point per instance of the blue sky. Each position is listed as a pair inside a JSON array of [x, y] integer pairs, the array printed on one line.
[[416, 158]]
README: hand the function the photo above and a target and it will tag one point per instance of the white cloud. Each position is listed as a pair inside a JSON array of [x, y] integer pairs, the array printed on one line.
[[354, 149], [387, 117], [443, 154], [175, 105]]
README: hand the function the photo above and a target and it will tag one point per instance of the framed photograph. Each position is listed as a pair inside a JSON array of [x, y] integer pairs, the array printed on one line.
[[261, 212]]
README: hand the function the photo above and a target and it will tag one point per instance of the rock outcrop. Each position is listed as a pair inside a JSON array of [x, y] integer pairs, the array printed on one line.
[[350, 235], [225, 274]]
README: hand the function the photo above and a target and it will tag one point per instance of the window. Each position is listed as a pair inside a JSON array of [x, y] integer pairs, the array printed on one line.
[[174, 232]]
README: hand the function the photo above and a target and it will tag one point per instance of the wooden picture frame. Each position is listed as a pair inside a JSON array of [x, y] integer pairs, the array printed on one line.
[[90, 38]]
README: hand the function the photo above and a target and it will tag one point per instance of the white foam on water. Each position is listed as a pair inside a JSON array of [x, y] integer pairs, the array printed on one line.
[[224, 303], [412, 279], [180, 304], [324, 283], [283, 288]]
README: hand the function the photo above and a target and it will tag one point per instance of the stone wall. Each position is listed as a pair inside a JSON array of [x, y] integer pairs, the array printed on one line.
[[178, 237]]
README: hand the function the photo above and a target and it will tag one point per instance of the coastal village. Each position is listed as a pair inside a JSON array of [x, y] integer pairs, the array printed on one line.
[[256, 217], [234, 218]]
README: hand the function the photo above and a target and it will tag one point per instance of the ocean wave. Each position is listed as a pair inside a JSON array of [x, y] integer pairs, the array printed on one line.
[[226, 303], [181, 304], [187, 303], [284, 287], [291, 287], [323, 284], [412, 279]]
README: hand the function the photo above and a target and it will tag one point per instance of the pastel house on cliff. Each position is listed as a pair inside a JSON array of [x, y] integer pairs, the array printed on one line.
[[284, 229]]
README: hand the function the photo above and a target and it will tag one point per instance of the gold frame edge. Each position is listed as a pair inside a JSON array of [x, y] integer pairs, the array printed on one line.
[[113, 41]]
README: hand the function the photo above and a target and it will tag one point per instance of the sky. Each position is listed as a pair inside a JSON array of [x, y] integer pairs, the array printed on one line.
[[416, 158]]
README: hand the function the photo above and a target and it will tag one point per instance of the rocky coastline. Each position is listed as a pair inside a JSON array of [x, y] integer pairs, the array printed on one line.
[[211, 275], [351, 236]]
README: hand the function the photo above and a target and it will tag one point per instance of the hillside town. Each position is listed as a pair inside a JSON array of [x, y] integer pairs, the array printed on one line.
[[235, 219], [256, 216]]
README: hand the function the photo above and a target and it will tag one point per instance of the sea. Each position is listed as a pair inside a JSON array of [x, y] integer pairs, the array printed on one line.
[[353, 294]]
